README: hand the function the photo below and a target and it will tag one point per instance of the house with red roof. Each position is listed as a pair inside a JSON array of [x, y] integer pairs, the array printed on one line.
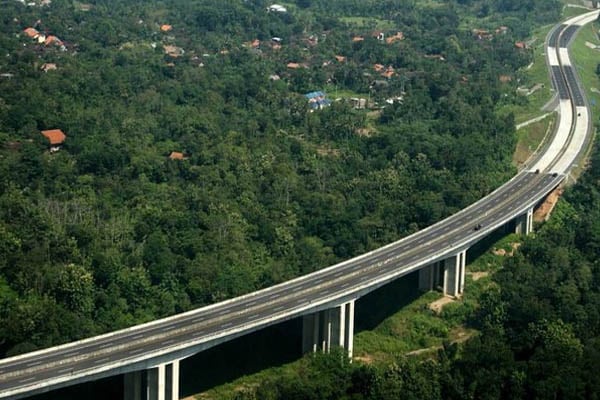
[[55, 137]]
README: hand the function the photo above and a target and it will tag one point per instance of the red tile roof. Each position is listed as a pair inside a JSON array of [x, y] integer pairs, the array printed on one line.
[[51, 40], [175, 155], [55, 136], [31, 32]]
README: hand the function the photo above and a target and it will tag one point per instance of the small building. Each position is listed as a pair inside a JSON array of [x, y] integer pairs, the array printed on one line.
[[358, 39], [521, 45], [317, 100], [48, 67], [176, 155], [51, 39], [56, 138], [32, 33], [166, 28], [379, 35], [391, 39], [340, 59], [173, 51], [277, 8]]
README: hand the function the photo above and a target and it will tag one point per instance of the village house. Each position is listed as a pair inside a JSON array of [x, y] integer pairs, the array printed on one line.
[[317, 100], [176, 155], [397, 37], [55, 137], [173, 51], [166, 28], [31, 32], [482, 34], [48, 67], [340, 59], [521, 45], [378, 35], [53, 40], [276, 8]]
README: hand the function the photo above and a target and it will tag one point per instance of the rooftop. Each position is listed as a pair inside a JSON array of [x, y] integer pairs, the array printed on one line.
[[55, 136]]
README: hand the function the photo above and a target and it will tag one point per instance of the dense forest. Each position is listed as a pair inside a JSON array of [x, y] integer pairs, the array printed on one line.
[[194, 168], [539, 329]]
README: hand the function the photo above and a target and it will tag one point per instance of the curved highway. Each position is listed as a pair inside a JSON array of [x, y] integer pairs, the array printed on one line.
[[185, 334]]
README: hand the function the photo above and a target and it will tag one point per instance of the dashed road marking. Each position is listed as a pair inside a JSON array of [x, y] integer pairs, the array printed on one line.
[[27, 379], [102, 360], [31, 364]]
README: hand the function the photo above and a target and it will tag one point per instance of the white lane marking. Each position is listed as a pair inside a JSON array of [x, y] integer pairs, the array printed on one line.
[[226, 325], [105, 345], [223, 312], [168, 341], [273, 296], [319, 280], [102, 360], [198, 319], [253, 316], [31, 364], [325, 291], [65, 370], [338, 274], [135, 351], [138, 336], [345, 285], [73, 353], [166, 328], [251, 303], [278, 308], [27, 379]]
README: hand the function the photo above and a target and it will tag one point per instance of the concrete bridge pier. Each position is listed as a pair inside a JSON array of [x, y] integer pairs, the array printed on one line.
[[429, 276], [329, 328], [454, 274], [158, 383], [524, 223]]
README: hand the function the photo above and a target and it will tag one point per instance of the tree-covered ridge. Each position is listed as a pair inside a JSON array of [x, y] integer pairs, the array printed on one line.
[[110, 231]]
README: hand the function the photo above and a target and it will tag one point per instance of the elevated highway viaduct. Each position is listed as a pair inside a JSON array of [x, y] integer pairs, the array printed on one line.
[[148, 355]]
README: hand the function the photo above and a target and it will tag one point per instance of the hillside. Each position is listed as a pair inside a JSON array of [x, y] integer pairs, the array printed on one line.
[[199, 160]]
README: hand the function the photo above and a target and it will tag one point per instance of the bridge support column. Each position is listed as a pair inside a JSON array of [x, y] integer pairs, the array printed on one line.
[[132, 386], [429, 277], [454, 274], [524, 223], [329, 328], [162, 383]]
